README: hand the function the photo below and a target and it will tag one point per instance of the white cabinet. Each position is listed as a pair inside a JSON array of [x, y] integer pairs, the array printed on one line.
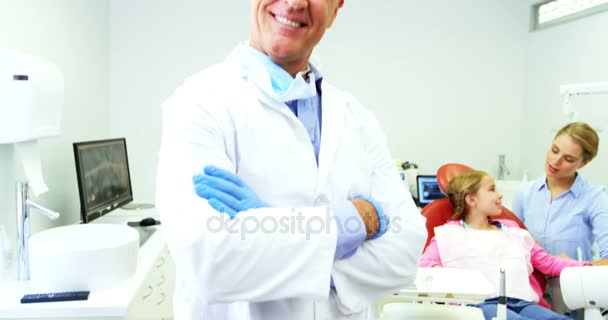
[[147, 295], [154, 300]]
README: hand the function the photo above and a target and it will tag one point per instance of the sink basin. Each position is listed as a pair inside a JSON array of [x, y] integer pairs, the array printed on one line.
[[83, 257]]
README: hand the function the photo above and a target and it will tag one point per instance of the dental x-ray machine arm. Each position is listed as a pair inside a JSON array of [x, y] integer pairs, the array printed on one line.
[[569, 90], [585, 287]]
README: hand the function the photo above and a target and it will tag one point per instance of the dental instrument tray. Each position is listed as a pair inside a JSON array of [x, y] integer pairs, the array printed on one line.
[[448, 285]]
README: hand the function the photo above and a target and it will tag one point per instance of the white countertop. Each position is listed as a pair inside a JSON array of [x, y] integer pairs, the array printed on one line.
[[108, 303]]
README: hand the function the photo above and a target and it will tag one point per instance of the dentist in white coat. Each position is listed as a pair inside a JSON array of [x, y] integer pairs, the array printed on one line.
[[278, 196]]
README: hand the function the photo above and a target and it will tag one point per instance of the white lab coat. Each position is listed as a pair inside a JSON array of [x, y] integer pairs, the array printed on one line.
[[279, 271]]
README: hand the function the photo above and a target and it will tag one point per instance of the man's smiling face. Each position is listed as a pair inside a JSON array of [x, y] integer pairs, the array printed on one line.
[[288, 30]]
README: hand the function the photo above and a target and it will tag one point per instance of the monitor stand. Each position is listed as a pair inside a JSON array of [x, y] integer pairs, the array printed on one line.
[[137, 206]]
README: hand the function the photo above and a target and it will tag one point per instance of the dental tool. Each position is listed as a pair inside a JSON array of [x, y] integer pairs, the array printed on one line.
[[501, 307]]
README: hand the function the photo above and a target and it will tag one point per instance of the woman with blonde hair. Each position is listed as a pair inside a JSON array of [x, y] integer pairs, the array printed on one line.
[[562, 210]]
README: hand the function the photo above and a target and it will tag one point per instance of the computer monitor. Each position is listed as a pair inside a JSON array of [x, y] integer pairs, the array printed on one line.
[[428, 189], [104, 182]]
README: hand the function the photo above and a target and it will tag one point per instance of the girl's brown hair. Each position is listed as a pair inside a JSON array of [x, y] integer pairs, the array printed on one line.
[[459, 187]]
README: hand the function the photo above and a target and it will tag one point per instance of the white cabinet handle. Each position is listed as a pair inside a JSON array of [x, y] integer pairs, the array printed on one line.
[[147, 293], [160, 262], [162, 298], [162, 279]]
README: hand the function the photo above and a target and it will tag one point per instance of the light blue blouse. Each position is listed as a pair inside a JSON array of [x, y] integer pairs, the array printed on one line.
[[572, 220]]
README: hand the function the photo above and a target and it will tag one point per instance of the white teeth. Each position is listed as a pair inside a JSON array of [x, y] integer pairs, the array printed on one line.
[[288, 22]]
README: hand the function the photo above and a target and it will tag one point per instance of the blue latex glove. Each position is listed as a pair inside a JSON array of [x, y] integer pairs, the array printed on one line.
[[225, 191]]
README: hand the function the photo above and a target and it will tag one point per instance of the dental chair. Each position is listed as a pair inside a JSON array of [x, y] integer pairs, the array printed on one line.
[[446, 298], [440, 211]]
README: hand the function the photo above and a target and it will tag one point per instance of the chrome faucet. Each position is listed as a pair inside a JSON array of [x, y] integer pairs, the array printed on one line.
[[502, 167], [23, 228]]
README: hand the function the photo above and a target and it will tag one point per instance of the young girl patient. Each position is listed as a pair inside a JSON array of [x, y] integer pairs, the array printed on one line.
[[473, 239]]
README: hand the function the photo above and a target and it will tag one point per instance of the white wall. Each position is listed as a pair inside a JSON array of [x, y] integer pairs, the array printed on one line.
[[155, 45], [572, 52], [444, 78], [428, 69], [74, 35]]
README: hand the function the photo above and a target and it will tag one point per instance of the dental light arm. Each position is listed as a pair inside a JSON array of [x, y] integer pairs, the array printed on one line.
[[585, 287], [569, 90], [584, 88]]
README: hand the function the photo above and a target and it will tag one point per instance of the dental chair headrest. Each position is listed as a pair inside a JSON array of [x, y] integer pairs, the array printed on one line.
[[446, 172]]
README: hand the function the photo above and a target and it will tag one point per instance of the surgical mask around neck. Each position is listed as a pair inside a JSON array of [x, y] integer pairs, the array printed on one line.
[[300, 88], [271, 78]]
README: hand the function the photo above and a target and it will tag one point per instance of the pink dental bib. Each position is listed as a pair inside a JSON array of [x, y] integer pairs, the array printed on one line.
[[487, 251]]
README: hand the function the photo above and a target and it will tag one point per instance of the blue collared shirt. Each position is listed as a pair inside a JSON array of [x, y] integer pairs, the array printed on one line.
[[308, 111], [572, 220]]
